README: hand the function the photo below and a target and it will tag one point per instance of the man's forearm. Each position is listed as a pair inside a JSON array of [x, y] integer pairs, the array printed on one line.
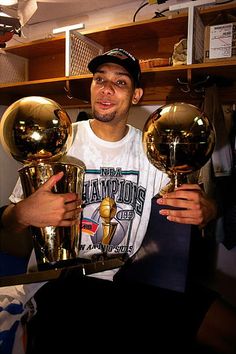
[[15, 239]]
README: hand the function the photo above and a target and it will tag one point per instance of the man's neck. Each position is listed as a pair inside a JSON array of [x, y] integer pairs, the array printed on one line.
[[107, 131]]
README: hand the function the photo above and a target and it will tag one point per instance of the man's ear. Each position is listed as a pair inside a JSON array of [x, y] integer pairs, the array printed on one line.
[[138, 92]]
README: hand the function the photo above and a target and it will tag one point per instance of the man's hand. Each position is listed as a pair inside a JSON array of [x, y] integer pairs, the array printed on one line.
[[195, 207], [42, 208], [45, 208]]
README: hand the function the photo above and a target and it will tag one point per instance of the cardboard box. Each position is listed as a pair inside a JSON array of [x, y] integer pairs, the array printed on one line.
[[220, 42]]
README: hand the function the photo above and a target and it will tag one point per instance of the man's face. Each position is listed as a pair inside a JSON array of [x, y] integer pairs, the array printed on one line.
[[112, 91]]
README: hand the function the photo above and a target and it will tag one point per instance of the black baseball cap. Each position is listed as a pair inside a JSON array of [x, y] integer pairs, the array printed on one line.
[[121, 57]]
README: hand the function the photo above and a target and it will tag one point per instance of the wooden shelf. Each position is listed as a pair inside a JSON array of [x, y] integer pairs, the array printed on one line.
[[55, 88], [145, 39], [160, 85], [110, 37]]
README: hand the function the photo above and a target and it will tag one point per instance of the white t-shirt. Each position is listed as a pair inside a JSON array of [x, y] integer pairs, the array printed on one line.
[[121, 171]]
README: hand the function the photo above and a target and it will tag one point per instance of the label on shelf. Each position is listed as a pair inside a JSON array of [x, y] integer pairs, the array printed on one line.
[[219, 43]]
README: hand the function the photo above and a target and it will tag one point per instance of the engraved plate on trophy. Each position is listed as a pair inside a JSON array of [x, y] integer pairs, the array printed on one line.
[[178, 139], [37, 132]]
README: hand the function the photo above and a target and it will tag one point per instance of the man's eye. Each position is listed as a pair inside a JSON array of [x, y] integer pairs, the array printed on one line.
[[120, 82], [98, 79]]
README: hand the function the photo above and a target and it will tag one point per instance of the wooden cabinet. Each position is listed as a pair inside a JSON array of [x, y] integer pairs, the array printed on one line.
[[145, 39]]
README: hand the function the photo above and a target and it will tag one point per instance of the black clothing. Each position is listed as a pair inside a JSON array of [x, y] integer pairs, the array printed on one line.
[[89, 315], [82, 314]]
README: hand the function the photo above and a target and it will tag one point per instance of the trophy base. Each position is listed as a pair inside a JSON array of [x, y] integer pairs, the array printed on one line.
[[81, 267], [62, 264], [102, 258]]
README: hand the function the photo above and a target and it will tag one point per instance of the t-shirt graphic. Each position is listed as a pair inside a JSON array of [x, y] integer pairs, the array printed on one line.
[[113, 199]]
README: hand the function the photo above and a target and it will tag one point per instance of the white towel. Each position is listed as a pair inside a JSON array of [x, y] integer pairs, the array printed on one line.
[[17, 306], [222, 157]]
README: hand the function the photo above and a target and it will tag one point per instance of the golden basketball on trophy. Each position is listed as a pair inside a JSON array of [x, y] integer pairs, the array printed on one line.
[[37, 132], [178, 139]]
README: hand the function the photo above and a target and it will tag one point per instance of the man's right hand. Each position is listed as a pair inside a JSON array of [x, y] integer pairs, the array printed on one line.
[[45, 208]]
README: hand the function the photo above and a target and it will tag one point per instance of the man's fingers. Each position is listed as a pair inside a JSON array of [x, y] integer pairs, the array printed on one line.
[[52, 181], [189, 186]]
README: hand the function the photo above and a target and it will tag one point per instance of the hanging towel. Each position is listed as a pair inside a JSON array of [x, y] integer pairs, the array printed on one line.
[[17, 306], [222, 157]]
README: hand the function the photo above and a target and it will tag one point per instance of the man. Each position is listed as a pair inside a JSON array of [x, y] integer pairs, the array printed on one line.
[[108, 142], [116, 167]]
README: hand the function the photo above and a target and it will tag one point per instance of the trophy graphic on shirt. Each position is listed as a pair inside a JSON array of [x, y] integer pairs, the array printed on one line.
[[178, 139], [37, 132], [108, 211]]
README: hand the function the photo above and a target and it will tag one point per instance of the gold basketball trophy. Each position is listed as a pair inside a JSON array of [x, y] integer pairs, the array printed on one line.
[[37, 132], [178, 139]]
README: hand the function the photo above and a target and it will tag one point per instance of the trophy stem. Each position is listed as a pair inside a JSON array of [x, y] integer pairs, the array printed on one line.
[[176, 180], [109, 230]]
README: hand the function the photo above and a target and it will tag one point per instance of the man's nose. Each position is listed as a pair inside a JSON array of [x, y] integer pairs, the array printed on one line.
[[107, 87]]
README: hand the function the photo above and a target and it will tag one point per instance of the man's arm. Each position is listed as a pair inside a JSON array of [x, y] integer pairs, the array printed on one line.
[[15, 239], [42, 208]]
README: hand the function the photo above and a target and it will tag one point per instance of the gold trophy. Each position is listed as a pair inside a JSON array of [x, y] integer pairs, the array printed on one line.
[[178, 139], [37, 132]]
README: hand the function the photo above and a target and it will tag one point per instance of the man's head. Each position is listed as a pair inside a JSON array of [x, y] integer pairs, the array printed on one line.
[[114, 86], [121, 57]]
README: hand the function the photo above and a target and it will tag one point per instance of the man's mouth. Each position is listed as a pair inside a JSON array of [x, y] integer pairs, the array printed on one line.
[[105, 104]]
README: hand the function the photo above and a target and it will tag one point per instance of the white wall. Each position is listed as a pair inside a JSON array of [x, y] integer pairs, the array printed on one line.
[[8, 171], [94, 20]]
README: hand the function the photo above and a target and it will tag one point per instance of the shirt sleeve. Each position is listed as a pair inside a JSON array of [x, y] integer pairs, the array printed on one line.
[[17, 193]]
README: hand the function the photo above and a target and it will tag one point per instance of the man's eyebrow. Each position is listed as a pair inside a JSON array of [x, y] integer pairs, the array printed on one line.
[[125, 74], [118, 73]]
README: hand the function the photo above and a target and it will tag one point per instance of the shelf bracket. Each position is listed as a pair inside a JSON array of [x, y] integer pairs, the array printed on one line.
[[192, 12], [67, 30]]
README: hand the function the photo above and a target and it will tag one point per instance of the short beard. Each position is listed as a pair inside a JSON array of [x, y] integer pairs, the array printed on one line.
[[104, 117]]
